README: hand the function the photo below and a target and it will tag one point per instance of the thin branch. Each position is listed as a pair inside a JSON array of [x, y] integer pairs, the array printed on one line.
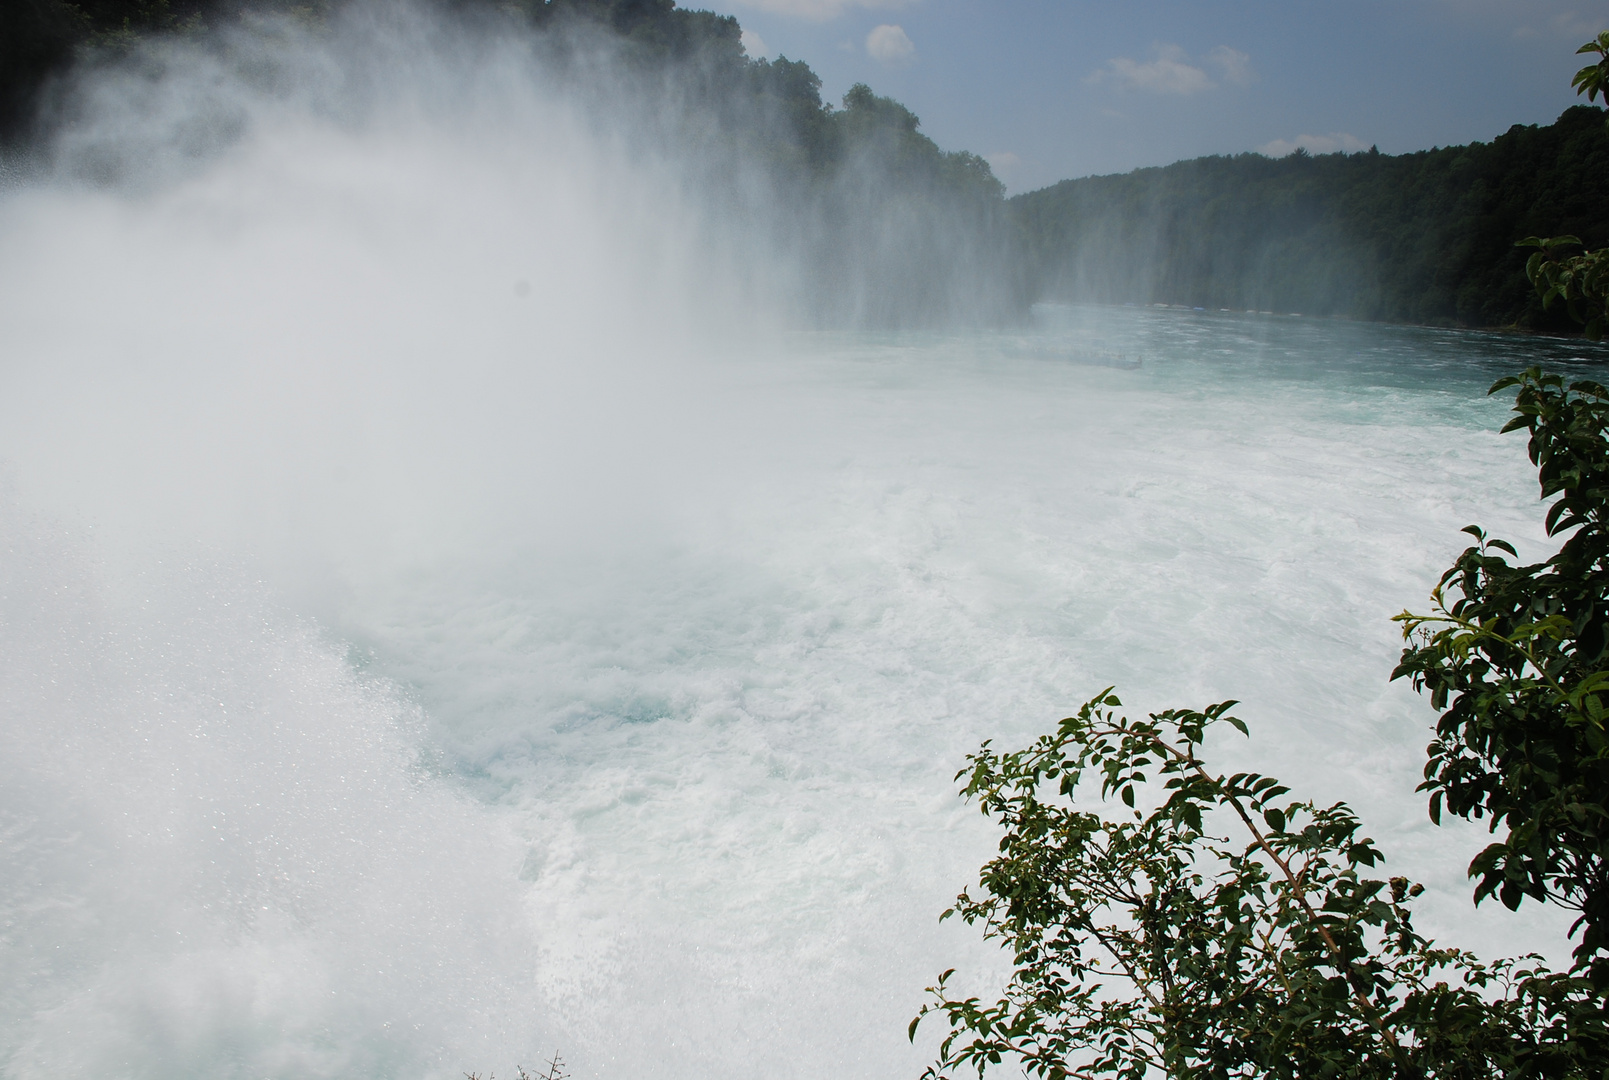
[[1128, 969], [1191, 762]]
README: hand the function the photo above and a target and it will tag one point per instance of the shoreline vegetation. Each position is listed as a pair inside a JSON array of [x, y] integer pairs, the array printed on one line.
[[1424, 238]]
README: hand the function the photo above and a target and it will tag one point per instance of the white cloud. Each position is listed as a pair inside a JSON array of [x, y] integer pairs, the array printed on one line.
[[890, 45], [754, 45], [1314, 144], [1173, 72], [820, 10], [1234, 65], [1169, 73]]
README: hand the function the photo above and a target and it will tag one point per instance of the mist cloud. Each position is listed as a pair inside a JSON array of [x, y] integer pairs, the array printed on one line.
[[1003, 162], [754, 45]]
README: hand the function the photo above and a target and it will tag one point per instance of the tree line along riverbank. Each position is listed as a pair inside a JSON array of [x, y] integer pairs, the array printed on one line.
[[1425, 237]]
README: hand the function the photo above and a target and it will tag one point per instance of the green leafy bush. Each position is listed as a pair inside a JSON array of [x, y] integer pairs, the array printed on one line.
[[1228, 931]]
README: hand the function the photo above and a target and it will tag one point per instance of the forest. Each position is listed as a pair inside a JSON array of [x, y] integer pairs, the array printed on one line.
[[1425, 238]]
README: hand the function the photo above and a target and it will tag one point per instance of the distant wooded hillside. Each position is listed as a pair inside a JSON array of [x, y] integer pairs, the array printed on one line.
[[1425, 237]]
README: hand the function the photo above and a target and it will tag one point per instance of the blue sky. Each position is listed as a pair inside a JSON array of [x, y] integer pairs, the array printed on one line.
[[1048, 89]]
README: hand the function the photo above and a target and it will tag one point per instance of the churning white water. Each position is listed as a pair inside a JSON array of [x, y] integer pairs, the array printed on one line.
[[445, 623]]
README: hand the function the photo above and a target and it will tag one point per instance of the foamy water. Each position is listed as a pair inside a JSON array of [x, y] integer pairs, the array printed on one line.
[[409, 672], [728, 741]]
